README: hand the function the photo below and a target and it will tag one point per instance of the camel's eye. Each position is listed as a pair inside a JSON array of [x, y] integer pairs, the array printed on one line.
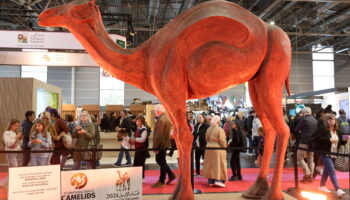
[[82, 11]]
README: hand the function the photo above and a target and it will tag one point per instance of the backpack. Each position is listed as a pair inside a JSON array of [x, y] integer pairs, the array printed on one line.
[[344, 127]]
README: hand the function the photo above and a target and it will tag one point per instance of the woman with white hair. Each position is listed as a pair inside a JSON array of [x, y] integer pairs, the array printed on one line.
[[85, 134], [215, 164]]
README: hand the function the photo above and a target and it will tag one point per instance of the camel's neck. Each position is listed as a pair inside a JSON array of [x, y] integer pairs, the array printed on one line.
[[125, 65]]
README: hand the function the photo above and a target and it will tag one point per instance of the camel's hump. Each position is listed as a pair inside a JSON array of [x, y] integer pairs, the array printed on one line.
[[207, 13]]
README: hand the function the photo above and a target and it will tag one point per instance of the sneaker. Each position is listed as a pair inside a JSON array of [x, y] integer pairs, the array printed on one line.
[[171, 179], [117, 165], [340, 193], [126, 164], [158, 185], [324, 189], [220, 184]]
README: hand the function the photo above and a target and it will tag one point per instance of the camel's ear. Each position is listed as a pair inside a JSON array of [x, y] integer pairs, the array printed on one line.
[[92, 2]]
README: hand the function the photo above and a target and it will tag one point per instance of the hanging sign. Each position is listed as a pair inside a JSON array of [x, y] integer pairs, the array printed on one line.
[[36, 182], [108, 184], [46, 40]]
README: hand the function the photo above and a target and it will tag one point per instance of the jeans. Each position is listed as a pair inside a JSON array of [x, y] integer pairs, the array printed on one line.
[[328, 170], [198, 155], [256, 140], [12, 159], [212, 181], [249, 136], [235, 163], [26, 157], [164, 168], [78, 163], [38, 161], [308, 168], [121, 155]]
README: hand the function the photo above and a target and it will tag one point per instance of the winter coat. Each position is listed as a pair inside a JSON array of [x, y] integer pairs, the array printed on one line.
[[161, 133], [215, 163]]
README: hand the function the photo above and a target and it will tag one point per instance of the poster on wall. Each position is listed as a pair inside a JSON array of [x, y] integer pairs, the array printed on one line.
[[37, 182], [109, 184]]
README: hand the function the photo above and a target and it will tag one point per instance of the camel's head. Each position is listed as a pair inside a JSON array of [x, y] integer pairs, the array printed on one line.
[[75, 12]]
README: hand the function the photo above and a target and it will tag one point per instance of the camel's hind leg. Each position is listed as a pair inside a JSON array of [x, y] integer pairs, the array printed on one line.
[[260, 187], [268, 85]]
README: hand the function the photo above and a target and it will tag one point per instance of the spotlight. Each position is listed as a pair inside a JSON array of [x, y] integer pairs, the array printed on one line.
[[311, 196], [272, 22]]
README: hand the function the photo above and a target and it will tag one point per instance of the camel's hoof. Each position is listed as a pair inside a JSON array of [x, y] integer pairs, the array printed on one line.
[[258, 190]]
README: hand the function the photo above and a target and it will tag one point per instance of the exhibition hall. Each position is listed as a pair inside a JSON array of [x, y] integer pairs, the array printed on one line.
[[175, 99]]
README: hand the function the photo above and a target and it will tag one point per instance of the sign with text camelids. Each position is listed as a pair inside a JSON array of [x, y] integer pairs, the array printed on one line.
[[99, 184], [47, 40], [35, 182]]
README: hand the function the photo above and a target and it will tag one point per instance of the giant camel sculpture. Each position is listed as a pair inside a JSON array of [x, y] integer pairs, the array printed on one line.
[[207, 49]]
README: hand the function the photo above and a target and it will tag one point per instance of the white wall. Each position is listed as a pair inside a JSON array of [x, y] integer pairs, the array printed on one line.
[[334, 100]]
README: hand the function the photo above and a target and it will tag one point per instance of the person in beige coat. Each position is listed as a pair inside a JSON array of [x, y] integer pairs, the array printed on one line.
[[215, 164]]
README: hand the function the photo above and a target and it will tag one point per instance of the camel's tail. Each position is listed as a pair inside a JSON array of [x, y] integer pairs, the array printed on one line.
[[287, 85]]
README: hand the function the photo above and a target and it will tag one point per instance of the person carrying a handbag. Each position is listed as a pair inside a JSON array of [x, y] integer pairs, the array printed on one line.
[[329, 141], [124, 133], [85, 134]]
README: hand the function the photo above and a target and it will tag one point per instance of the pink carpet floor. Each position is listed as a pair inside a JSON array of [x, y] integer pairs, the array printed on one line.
[[249, 176]]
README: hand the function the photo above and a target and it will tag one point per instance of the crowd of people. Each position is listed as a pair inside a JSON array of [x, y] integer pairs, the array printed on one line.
[[321, 131]]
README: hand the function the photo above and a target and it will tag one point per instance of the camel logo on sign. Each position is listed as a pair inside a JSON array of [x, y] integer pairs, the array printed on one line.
[[79, 180], [123, 181]]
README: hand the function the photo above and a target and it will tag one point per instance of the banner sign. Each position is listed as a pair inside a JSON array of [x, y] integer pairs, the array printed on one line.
[[39, 58], [46, 40], [99, 184], [36, 182]]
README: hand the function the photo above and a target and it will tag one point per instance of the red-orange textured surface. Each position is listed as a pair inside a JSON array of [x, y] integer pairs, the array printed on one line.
[[207, 49]]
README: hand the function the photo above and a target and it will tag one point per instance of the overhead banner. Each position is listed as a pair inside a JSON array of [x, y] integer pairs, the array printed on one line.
[[99, 184], [37, 182], [46, 59], [46, 40]]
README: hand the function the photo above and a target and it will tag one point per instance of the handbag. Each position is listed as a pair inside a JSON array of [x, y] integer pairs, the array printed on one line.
[[341, 163], [87, 155]]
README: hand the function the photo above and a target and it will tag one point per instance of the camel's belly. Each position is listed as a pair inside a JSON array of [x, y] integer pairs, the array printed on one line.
[[218, 66]]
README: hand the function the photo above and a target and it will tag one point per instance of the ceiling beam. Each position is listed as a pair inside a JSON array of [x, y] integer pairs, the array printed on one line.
[[320, 34], [339, 1], [278, 14], [253, 5], [269, 8], [186, 4], [332, 18]]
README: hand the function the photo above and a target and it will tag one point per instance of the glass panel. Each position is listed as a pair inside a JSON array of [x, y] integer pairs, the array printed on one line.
[[111, 97], [323, 53], [323, 68], [42, 76], [108, 82], [321, 83], [26, 68]]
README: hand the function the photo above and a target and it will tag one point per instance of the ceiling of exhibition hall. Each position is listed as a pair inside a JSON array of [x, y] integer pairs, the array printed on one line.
[[308, 22]]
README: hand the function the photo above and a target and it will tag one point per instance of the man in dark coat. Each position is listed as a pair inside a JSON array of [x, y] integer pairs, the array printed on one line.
[[199, 140], [26, 127]]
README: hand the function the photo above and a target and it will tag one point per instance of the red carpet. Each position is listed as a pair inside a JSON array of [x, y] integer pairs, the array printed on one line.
[[249, 176]]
